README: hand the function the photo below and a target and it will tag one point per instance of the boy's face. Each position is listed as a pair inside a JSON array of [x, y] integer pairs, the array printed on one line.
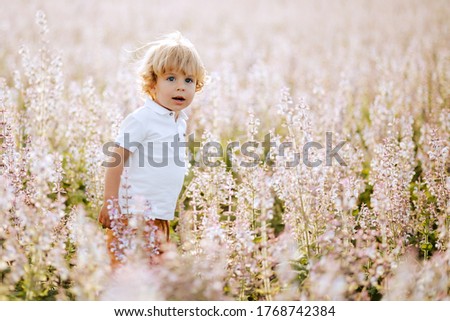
[[174, 90]]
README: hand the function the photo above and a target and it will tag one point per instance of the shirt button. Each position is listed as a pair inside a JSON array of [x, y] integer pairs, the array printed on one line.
[[171, 114]]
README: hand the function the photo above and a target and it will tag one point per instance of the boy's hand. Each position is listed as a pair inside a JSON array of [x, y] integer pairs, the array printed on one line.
[[103, 217], [112, 183]]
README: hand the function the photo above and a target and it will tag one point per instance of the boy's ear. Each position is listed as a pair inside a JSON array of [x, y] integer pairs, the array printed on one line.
[[152, 90]]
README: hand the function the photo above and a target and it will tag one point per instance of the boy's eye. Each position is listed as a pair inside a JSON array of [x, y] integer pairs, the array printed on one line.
[[189, 80], [171, 78]]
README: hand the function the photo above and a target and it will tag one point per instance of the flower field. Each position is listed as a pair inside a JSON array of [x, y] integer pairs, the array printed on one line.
[[370, 77]]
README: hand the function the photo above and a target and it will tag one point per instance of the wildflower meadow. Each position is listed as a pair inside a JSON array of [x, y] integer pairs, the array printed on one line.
[[354, 206]]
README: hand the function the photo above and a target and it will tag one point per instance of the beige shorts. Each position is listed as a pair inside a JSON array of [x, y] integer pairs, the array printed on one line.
[[162, 235]]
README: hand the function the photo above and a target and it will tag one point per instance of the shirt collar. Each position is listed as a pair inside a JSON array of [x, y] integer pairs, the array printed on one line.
[[157, 108]]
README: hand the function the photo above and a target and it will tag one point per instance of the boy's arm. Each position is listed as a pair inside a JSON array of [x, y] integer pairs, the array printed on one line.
[[112, 183]]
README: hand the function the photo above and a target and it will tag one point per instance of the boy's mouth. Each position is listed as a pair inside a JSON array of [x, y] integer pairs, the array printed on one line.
[[179, 98]]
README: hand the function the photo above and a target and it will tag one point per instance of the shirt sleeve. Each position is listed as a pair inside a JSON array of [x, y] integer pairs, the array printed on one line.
[[131, 134]]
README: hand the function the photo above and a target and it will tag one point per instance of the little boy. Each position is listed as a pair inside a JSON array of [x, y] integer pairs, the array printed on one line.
[[171, 73]]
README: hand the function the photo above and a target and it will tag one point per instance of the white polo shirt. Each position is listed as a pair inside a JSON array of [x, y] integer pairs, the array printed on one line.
[[155, 170]]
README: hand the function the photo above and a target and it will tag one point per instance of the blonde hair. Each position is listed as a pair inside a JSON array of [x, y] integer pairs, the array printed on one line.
[[172, 52]]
